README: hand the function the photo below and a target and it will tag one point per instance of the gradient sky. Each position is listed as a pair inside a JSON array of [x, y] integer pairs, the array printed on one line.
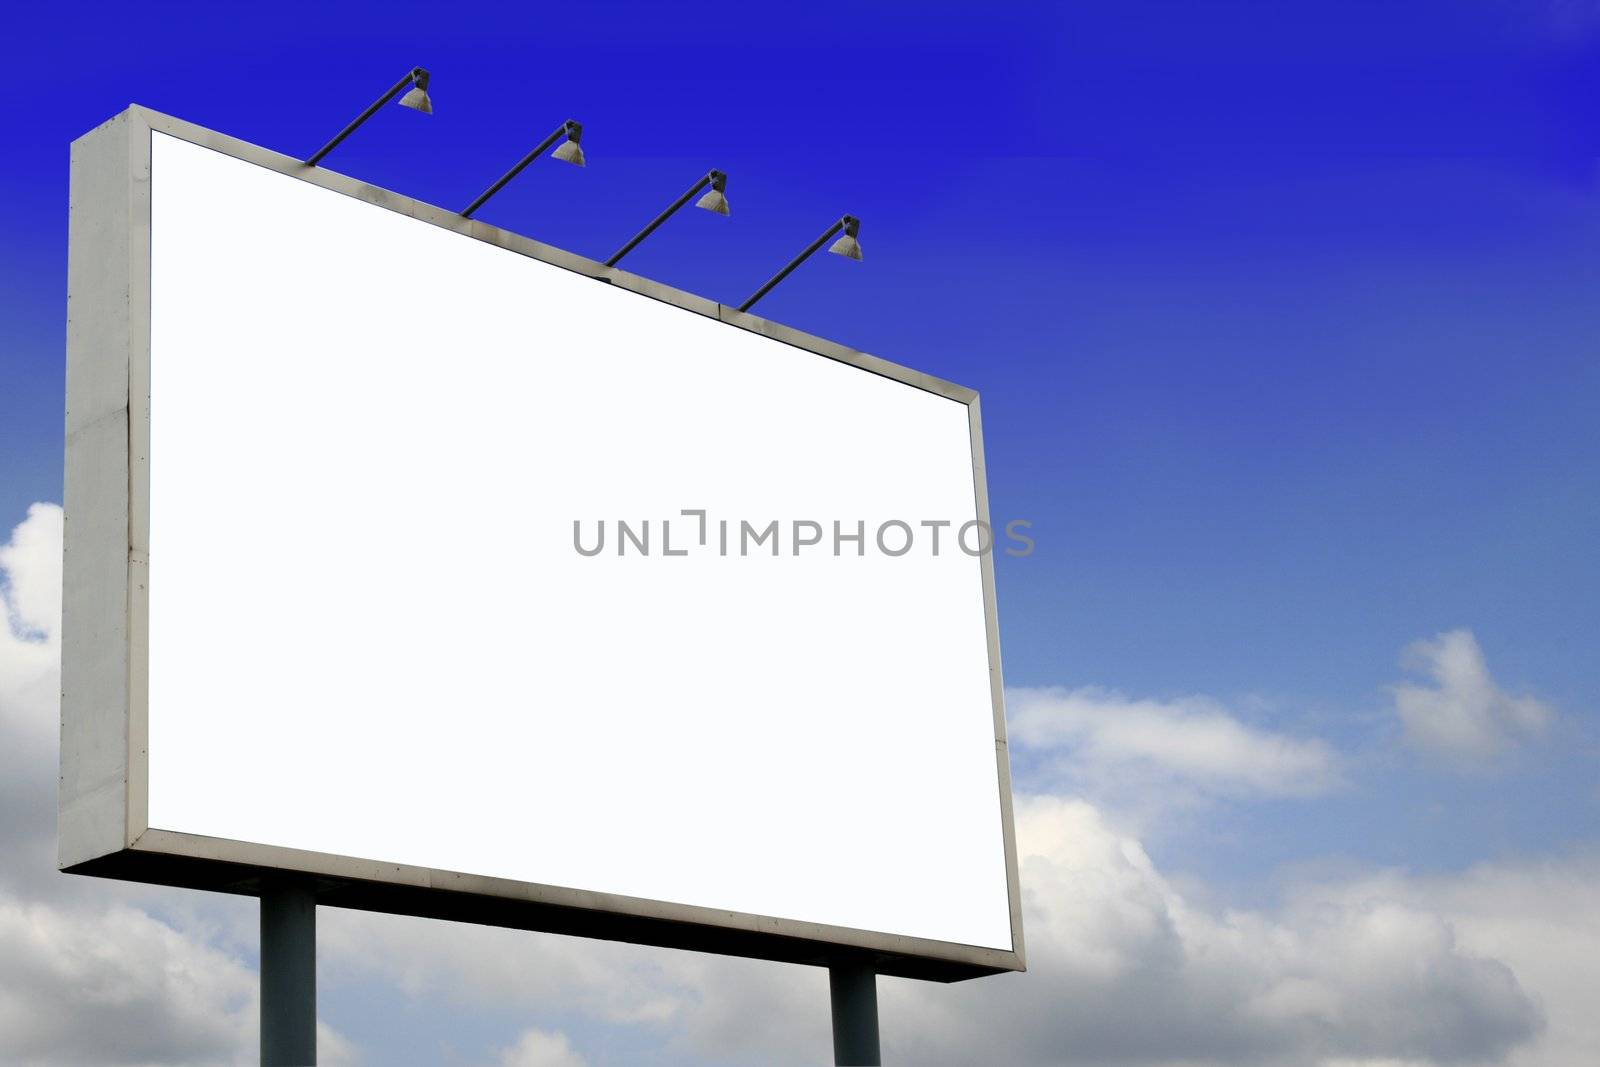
[[1284, 319]]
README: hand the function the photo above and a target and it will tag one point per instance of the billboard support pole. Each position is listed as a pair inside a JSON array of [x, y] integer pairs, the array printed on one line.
[[288, 972], [853, 988]]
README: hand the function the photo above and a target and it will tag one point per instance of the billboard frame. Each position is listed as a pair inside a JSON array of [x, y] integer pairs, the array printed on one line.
[[103, 801]]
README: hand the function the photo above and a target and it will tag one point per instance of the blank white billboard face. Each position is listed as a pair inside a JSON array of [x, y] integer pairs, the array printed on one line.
[[371, 633]]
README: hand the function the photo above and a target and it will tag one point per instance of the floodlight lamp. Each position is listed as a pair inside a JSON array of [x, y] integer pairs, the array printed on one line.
[[716, 199], [847, 245], [713, 200], [417, 99], [569, 151]]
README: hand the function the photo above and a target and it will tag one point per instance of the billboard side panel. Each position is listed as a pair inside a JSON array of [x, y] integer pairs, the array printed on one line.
[[101, 324], [997, 686]]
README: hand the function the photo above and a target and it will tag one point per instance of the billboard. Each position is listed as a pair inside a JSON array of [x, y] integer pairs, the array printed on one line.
[[410, 554]]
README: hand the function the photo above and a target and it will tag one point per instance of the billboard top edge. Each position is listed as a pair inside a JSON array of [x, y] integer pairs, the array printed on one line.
[[443, 218]]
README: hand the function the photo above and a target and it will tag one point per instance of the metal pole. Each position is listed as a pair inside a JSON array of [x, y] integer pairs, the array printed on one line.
[[793, 263], [565, 129], [853, 989], [658, 220], [288, 973], [410, 79]]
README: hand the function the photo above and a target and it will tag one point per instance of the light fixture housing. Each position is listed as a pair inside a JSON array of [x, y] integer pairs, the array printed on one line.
[[847, 245], [716, 198], [417, 99], [569, 151]]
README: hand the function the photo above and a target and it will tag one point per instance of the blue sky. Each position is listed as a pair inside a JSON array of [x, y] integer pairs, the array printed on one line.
[[1284, 318]]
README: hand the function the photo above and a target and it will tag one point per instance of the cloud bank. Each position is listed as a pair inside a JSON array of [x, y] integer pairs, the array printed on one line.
[[1492, 965], [1124, 970]]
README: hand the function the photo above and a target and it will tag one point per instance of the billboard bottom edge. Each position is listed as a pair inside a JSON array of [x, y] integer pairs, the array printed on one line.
[[190, 872]]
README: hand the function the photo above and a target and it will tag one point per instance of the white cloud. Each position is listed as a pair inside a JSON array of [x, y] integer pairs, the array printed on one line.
[[541, 1048], [333, 1049], [1124, 970], [30, 629], [1542, 918], [30, 662], [112, 985], [1098, 736], [32, 564], [1464, 718]]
